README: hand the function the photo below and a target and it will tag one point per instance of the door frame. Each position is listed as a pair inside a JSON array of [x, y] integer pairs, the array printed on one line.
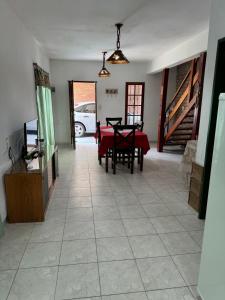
[[218, 87], [143, 97], [71, 107]]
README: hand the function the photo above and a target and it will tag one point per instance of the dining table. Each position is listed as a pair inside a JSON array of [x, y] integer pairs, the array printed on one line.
[[107, 140]]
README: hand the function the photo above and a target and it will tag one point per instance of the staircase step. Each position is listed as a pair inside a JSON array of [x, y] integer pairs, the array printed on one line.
[[176, 143], [183, 131], [180, 137]]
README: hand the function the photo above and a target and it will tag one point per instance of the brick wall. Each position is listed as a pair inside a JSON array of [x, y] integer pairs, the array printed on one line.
[[84, 91]]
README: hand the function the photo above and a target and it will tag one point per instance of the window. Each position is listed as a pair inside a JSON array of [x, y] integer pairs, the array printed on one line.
[[90, 108], [134, 104]]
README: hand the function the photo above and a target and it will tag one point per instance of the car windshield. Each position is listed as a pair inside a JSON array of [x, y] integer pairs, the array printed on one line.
[[80, 108]]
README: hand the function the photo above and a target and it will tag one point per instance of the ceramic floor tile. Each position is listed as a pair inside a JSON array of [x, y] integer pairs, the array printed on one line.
[[191, 222], [159, 273], [148, 198], [78, 230], [138, 226], [41, 255], [167, 224], [179, 208], [111, 228], [11, 255], [55, 215], [188, 266], [58, 203], [78, 251], [117, 248], [107, 200], [16, 233], [106, 213], [133, 296], [6, 279], [35, 284], [171, 294], [126, 199], [197, 236], [147, 246], [79, 202], [77, 281], [179, 243], [80, 192], [79, 214], [119, 277], [47, 232], [156, 210], [132, 211]]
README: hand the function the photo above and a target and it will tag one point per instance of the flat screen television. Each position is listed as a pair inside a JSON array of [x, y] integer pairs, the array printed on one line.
[[30, 135]]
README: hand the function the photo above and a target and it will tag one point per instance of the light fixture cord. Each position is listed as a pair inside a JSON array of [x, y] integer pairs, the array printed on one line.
[[118, 38], [104, 53]]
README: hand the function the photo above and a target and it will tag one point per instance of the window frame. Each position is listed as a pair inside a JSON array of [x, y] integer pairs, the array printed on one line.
[[142, 99]]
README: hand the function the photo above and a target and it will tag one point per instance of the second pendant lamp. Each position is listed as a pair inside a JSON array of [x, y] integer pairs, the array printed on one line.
[[104, 73], [118, 57]]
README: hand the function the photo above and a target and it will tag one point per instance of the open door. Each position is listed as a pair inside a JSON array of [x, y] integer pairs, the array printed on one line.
[[83, 110], [72, 121]]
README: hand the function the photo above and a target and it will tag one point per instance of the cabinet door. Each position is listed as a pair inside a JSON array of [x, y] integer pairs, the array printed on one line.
[[45, 187]]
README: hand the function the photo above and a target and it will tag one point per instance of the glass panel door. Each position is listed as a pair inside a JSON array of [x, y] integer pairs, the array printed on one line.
[[134, 104]]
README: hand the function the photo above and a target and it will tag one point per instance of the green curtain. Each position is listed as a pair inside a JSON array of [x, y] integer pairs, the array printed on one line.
[[44, 109]]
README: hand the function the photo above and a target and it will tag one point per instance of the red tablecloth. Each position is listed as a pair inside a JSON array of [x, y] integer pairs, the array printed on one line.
[[141, 140]]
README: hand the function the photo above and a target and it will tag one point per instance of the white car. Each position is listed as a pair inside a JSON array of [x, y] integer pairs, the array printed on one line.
[[85, 118]]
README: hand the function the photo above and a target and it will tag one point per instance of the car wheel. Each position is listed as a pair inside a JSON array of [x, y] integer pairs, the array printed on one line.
[[79, 130]]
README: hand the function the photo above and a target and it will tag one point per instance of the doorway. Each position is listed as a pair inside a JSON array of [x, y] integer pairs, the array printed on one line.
[[83, 111]]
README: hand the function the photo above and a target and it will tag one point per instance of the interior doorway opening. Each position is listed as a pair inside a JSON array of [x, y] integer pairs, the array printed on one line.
[[83, 111]]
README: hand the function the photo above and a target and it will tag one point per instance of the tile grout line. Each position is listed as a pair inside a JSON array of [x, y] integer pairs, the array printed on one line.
[[19, 264], [96, 247]]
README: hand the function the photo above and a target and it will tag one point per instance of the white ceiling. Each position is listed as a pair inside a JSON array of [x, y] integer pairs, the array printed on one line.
[[81, 29]]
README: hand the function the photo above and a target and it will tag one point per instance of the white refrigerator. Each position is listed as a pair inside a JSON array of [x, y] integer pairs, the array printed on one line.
[[211, 284]]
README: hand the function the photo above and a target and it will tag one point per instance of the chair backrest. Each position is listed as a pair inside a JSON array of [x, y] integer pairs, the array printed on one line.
[[113, 121], [140, 125], [124, 137], [98, 131]]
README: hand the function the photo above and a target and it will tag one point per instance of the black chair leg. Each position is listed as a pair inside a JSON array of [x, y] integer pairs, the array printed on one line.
[[142, 161], [132, 164], [106, 163], [114, 162]]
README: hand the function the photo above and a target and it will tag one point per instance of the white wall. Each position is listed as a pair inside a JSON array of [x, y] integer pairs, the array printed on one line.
[[18, 51], [212, 271], [180, 53], [62, 71], [217, 31]]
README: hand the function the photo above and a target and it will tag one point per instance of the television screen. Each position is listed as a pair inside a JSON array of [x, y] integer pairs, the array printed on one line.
[[31, 134]]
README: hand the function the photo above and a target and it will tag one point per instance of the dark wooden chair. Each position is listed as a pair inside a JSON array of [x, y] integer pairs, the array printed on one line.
[[113, 121], [138, 154], [99, 140], [124, 145]]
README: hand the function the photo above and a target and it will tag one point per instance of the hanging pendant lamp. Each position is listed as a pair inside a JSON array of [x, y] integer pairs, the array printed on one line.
[[104, 73], [118, 57]]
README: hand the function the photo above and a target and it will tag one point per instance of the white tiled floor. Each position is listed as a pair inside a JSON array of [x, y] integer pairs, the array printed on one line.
[[107, 237]]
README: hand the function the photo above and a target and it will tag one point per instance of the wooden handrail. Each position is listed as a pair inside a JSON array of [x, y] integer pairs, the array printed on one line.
[[178, 90], [181, 117], [181, 100]]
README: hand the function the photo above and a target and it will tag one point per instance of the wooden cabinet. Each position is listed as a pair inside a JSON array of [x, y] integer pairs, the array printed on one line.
[[28, 191], [195, 186]]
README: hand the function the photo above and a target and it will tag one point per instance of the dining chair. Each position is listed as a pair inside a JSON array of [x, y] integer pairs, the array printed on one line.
[[124, 144], [140, 126], [113, 121], [98, 124]]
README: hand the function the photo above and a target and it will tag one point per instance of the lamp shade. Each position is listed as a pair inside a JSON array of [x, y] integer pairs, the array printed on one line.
[[104, 73], [118, 57]]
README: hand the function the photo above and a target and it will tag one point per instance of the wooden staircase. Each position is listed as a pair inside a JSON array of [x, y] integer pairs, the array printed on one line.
[[179, 121]]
